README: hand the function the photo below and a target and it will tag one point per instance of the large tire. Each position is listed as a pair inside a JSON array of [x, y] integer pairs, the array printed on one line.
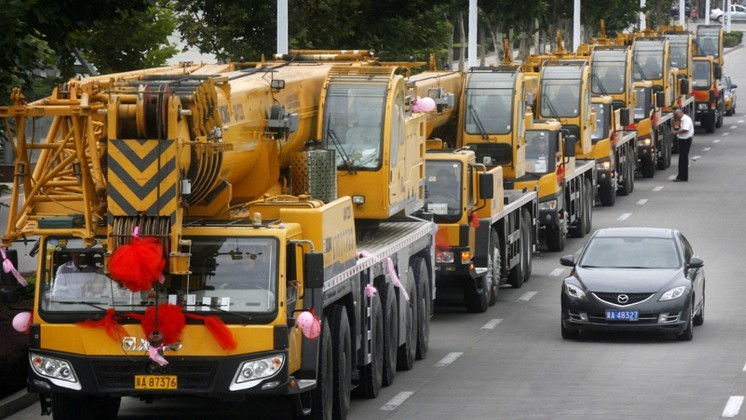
[[477, 302], [555, 238], [688, 333], [588, 212], [69, 407], [408, 351], [494, 264], [708, 122], [648, 168], [607, 195], [516, 275], [631, 163], [719, 111], [527, 245], [390, 331], [422, 278], [341, 361], [371, 375], [578, 229], [322, 398]]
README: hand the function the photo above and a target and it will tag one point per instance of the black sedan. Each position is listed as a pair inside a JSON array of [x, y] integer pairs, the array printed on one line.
[[641, 279]]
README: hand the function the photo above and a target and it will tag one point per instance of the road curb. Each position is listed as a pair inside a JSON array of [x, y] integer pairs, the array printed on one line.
[[16, 402]]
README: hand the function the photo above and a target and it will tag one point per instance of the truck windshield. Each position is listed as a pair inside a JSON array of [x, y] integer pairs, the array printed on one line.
[[648, 65], [701, 77], [560, 98], [538, 157], [608, 77], [237, 274], [642, 104], [707, 44], [678, 52], [443, 190], [493, 108], [602, 122], [353, 124]]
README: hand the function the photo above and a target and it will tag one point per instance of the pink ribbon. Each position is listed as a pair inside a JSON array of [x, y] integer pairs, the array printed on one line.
[[156, 357], [8, 268], [370, 291], [390, 268]]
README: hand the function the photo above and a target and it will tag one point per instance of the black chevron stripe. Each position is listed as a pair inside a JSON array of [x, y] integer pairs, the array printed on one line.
[[132, 157], [166, 198], [142, 190]]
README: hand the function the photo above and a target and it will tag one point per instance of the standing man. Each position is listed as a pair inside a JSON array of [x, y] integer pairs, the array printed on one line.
[[684, 134]]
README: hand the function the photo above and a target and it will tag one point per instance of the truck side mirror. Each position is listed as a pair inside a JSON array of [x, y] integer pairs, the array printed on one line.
[[486, 186], [684, 86], [570, 141], [624, 117], [718, 72], [313, 270], [660, 99]]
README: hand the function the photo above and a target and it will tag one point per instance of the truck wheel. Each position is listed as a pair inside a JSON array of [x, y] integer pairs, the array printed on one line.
[[341, 361], [371, 375], [323, 396], [719, 111], [607, 195], [494, 264], [708, 122], [578, 230], [555, 238], [390, 331], [631, 159], [66, 406], [516, 275], [527, 247], [588, 213], [477, 302], [664, 161], [408, 350], [648, 167], [422, 278]]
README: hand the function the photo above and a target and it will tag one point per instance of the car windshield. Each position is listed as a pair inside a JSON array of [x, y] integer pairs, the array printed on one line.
[[236, 274], [630, 252]]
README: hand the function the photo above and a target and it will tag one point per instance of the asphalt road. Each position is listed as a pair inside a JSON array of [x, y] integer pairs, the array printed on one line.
[[511, 363]]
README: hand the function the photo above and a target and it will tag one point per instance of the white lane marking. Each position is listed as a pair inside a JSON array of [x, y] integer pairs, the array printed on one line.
[[672, 177], [740, 121], [527, 296], [716, 141], [744, 368], [642, 202], [696, 158], [397, 400], [450, 358], [658, 188], [733, 127], [733, 406], [557, 272], [624, 217], [725, 134], [706, 149], [491, 324]]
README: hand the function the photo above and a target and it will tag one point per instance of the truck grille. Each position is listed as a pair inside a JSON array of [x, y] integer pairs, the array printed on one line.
[[120, 374]]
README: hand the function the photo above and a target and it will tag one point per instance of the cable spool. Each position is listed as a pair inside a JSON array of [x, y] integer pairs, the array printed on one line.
[[152, 110]]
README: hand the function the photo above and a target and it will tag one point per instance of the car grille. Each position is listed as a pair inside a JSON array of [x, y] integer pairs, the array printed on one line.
[[118, 375], [632, 298]]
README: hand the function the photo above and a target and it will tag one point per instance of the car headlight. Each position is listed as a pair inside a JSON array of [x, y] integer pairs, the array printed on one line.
[[548, 205], [444, 257], [59, 371], [575, 291], [673, 293], [252, 372]]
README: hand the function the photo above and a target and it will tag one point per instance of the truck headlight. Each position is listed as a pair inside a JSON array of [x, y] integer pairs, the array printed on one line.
[[647, 141], [603, 165], [252, 372], [702, 106], [60, 372], [548, 205], [445, 257]]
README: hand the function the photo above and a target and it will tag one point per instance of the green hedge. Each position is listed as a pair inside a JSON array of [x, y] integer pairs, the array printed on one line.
[[731, 39]]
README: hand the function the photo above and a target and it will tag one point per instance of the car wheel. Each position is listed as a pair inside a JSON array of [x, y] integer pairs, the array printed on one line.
[[688, 333], [699, 319], [720, 19]]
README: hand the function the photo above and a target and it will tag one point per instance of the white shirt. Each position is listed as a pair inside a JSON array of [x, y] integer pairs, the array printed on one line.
[[686, 124]]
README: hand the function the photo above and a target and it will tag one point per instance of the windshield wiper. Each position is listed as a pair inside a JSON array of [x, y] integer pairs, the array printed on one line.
[[338, 147], [638, 67], [477, 120], [553, 111], [599, 84]]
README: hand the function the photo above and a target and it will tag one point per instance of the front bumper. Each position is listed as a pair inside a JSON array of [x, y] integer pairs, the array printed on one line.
[[671, 316]]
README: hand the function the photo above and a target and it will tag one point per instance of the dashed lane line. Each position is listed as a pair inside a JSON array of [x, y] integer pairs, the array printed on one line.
[[716, 141], [557, 272], [733, 406], [696, 158], [725, 134], [658, 188], [733, 127], [624, 217], [491, 324], [527, 296], [398, 399], [706, 149], [449, 358], [642, 202], [671, 177]]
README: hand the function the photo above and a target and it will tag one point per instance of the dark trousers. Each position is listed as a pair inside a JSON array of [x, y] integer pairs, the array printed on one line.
[[684, 146]]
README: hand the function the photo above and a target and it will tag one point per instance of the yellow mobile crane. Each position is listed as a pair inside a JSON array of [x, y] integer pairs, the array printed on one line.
[[204, 158], [707, 77]]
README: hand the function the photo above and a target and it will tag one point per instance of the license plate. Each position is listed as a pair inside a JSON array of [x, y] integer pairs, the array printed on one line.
[[155, 382], [621, 315]]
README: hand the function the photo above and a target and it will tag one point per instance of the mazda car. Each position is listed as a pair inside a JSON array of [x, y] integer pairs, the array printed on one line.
[[636, 279]]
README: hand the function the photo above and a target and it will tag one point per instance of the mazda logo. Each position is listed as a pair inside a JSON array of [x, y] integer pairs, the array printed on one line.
[[622, 298]]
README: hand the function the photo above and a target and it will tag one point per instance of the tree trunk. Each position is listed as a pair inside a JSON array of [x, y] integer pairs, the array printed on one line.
[[524, 49], [482, 44], [462, 50]]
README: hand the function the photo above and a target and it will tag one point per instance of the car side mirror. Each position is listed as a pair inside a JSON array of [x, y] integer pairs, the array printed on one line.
[[733, 86], [568, 261], [695, 262]]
